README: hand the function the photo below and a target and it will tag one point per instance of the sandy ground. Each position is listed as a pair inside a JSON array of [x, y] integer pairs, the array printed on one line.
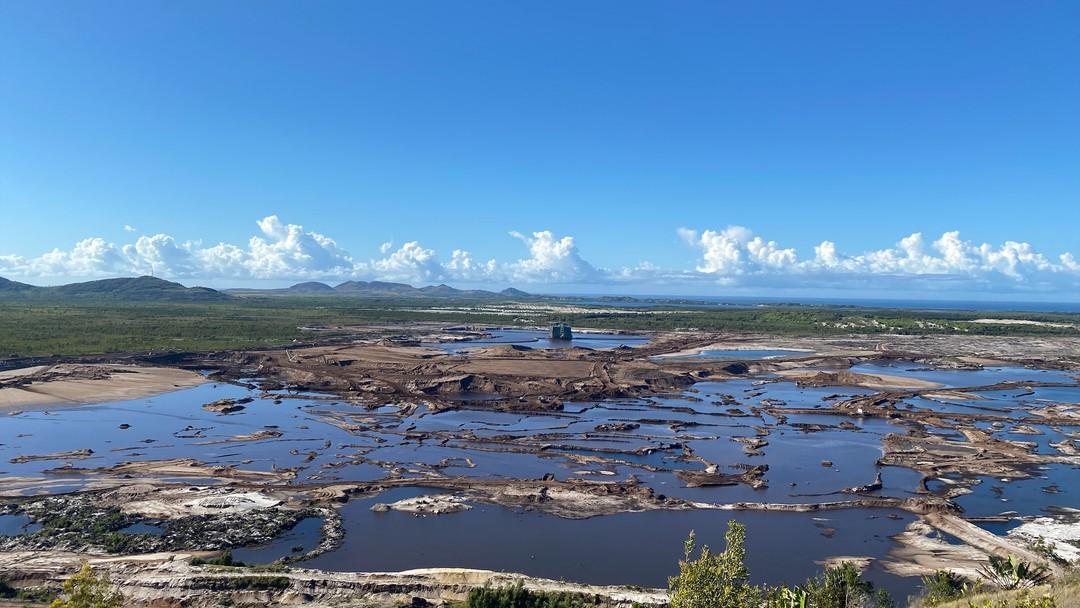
[[874, 381], [1021, 322], [736, 346], [73, 384]]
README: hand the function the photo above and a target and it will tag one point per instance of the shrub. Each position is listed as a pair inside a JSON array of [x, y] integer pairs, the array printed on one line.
[[517, 596], [225, 559], [1014, 573], [715, 579], [843, 587], [944, 586], [243, 583], [88, 590]]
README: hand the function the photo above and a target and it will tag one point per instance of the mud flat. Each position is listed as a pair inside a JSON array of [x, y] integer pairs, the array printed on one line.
[[379, 454], [73, 384]]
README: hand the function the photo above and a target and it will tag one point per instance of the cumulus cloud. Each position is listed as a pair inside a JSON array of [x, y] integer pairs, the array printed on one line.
[[129, 228], [736, 255], [551, 259], [411, 262], [728, 257]]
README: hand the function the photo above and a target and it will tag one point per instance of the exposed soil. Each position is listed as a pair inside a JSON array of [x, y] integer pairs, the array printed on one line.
[[232, 506], [74, 384]]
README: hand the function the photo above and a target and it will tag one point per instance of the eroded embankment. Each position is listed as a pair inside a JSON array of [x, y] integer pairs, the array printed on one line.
[[169, 579]]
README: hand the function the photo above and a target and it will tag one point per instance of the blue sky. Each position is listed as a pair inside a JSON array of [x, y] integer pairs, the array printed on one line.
[[614, 124]]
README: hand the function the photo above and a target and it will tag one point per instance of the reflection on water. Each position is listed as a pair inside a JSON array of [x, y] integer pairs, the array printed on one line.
[[143, 528], [303, 537], [13, 525], [542, 339], [642, 548], [807, 455], [748, 354]]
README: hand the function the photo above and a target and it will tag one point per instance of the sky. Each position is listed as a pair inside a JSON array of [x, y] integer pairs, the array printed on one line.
[[869, 148]]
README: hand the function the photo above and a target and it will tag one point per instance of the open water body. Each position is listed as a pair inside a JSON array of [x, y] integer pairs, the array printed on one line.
[[807, 455], [542, 339], [639, 548], [747, 354]]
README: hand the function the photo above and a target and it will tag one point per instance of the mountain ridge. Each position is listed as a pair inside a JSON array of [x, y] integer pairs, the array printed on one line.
[[146, 288], [383, 289], [141, 289]]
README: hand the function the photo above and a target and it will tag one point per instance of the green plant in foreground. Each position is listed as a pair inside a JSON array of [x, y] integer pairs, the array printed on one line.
[[944, 586], [1023, 601], [843, 587], [715, 580], [1014, 573], [88, 590], [788, 597]]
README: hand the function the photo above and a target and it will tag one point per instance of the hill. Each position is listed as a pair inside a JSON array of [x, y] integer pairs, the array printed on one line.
[[384, 289], [9, 286], [310, 287], [136, 289]]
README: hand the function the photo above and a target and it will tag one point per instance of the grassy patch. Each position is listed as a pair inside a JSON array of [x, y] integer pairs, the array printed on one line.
[[82, 327], [1064, 593]]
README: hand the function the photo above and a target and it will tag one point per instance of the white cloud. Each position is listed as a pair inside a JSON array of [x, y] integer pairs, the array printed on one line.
[[552, 260], [735, 256], [286, 250], [160, 254], [462, 267], [728, 257], [129, 228], [412, 262]]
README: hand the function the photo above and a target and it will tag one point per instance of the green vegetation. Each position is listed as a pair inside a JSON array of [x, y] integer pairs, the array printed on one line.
[[128, 289], [1014, 573], [715, 579], [944, 586], [843, 587], [242, 583], [721, 580], [88, 590], [225, 559], [517, 596], [1024, 601], [709, 580], [1062, 593], [7, 592], [88, 325]]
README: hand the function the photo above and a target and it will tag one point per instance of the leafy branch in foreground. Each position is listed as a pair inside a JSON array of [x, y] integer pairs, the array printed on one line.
[[87, 589], [944, 586], [1014, 573], [715, 579]]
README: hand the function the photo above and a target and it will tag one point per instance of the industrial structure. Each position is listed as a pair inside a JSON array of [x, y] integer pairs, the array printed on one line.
[[561, 331]]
